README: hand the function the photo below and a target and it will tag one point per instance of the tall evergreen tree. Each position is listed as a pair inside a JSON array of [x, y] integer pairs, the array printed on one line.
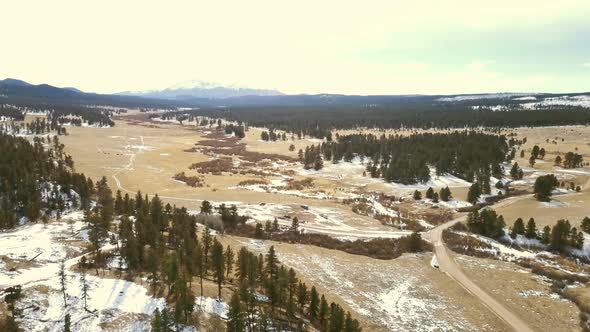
[[323, 312], [474, 193], [218, 264], [417, 195], [544, 185], [172, 271], [430, 193], [62, 280], [206, 240], [67, 323], [119, 203], [314, 302], [198, 264], [229, 260], [517, 228], [302, 296], [206, 207], [531, 229], [585, 225], [85, 288], [235, 319], [336, 318]]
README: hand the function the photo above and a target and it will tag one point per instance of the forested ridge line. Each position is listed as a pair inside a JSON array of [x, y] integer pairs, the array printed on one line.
[[318, 121]]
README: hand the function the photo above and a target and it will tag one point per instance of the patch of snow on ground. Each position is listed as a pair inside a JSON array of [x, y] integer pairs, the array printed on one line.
[[503, 250], [585, 251], [525, 98], [212, 306], [575, 101], [554, 204], [46, 241], [113, 304], [407, 305], [482, 96], [454, 204], [108, 299], [322, 220], [523, 241], [352, 173]]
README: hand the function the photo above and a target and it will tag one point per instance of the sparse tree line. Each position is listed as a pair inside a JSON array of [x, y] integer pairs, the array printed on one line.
[[407, 159], [516, 172], [488, 223], [444, 194], [544, 185], [58, 114], [379, 248], [12, 112], [273, 136], [229, 221], [557, 237], [569, 160], [482, 187], [76, 115], [182, 116], [36, 127], [237, 130]]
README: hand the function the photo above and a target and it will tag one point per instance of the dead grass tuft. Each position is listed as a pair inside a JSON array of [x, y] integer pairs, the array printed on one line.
[[215, 167], [466, 245], [552, 272], [293, 184], [251, 182], [193, 181]]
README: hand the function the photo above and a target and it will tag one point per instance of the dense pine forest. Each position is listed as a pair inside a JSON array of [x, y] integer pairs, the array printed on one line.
[[9, 111], [407, 159], [38, 180], [163, 243], [59, 114], [318, 120]]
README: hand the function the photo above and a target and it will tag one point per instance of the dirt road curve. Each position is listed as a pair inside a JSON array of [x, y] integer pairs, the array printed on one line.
[[448, 265]]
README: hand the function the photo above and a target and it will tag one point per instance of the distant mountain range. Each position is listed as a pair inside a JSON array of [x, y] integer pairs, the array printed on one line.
[[196, 94], [199, 89], [18, 91]]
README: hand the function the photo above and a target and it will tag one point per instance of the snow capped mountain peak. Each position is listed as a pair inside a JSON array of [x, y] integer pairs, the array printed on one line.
[[203, 89], [194, 84]]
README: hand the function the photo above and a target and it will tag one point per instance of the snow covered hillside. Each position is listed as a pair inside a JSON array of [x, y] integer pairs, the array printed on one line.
[[30, 257]]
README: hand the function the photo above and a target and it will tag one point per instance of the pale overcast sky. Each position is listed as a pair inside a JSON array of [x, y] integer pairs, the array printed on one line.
[[352, 47]]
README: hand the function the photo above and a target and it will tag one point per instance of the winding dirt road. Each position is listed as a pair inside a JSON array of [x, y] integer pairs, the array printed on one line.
[[450, 267]]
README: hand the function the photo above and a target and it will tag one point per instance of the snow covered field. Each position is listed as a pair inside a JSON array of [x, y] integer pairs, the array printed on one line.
[[576, 101], [113, 304], [535, 101], [316, 219], [352, 173], [394, 295], [46, 244]]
